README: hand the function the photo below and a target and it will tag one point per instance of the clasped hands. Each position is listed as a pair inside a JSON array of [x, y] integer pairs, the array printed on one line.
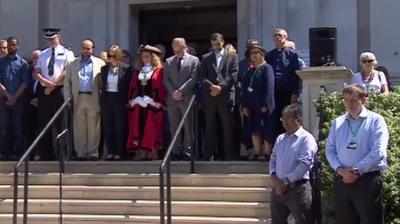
[[215, 90], [11, 100], [348, 175], [279, 186], [144, 102], [246, 111], [177, 95]]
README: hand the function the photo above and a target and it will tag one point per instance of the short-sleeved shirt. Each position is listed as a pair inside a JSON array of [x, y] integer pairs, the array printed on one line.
[[13, 73], [373, 84], [62, 58]]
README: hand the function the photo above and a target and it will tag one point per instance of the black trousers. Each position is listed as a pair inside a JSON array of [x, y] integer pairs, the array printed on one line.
[[296, 201], [282, 99], [11, 127], [48, 106], [115, 122], [217, 109], [359, 202]]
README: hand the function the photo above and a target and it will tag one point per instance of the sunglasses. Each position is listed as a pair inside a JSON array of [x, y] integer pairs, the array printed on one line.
[[367, 61], [111, 56], [277, 35]]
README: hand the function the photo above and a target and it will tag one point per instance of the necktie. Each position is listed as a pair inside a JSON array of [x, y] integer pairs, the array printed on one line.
[[179, 64], [50, 66]]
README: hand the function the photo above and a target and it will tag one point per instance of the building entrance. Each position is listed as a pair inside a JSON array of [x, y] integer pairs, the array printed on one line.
[[195, 21]]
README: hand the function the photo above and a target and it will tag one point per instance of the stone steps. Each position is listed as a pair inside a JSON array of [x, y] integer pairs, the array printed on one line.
[[129, 219], [222, 167], [127, 192], [149, 179], [181, 193], [141, 207]]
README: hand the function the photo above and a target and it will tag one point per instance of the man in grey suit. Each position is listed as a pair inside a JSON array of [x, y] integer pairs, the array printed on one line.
[[180, 76], [218, 71], [82, 83]]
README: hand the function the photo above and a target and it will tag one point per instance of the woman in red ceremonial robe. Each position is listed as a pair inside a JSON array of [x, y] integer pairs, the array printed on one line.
[[146, 101]]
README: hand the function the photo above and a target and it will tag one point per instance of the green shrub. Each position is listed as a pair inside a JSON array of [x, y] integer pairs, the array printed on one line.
[[331, 106]]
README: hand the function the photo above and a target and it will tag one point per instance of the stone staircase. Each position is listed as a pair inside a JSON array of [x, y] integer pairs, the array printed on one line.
[[128, 192]]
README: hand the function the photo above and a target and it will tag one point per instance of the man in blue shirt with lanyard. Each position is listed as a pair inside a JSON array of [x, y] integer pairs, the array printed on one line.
[[14, 80], [356, 150]]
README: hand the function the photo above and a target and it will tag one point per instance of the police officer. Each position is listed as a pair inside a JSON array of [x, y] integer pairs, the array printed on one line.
[[50, 72]]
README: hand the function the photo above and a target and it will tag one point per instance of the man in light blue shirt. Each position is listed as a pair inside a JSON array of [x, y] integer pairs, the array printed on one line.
[[356, 150], [82, 83], [86, 74], [291, 161]]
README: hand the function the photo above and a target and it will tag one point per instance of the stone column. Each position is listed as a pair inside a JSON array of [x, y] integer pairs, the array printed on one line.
[[314, 79]]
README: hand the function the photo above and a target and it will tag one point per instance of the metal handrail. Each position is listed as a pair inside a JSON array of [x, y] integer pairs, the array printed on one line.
[[166, 164], [25, 159]]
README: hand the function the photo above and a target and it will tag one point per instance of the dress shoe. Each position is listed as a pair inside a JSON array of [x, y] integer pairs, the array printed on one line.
[[110, 157], [93, 158], [37, 157]]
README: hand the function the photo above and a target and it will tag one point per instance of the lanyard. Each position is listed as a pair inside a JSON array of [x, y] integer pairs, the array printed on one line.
[[253, 75], [368, 81], [354, 133]]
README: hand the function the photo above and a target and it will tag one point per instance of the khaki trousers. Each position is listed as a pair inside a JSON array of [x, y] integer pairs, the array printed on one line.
[[86, 127]]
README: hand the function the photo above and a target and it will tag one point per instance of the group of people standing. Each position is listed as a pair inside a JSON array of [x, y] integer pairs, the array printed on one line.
[[128, 106]]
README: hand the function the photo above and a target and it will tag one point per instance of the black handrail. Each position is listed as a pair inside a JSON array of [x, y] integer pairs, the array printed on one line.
[[166, 164], [25, 159]]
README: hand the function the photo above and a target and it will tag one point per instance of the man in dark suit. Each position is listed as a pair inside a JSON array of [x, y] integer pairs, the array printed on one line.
[[180, 76], [218, 72]]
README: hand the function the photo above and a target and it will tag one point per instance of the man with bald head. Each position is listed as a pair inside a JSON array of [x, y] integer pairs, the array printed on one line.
[[285, 62], [82, 83], [180, 74]]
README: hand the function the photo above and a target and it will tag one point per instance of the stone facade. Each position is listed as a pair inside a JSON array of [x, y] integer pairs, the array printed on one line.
[[361, 24]]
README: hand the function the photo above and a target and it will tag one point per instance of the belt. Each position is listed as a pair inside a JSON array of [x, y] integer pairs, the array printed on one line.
[[83, 92], [372, 173], [297, 183]]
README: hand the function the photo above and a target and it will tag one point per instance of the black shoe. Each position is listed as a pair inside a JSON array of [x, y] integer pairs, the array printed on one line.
[[110, 157], [37, 158], [93, 158], [176, 157], [206, 158], [186, 156]]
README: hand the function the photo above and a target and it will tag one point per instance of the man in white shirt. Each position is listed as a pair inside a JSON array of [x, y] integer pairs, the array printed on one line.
[[218, 72], [50, 72]]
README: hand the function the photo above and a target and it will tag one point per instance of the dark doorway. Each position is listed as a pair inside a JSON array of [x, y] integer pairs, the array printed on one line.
[[195, 21]]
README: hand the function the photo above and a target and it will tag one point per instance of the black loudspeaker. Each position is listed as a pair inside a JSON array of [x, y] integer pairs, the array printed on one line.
[[322, 46]]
